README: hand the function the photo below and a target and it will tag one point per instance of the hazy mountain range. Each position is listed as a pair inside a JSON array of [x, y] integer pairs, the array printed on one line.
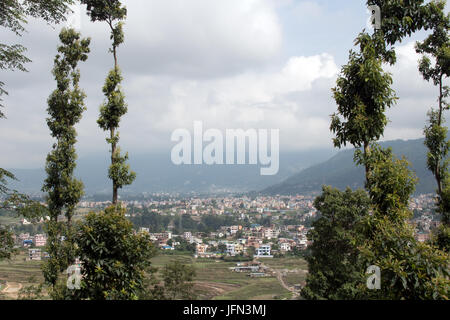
[[340, 171], [156, 173], [300, 172]]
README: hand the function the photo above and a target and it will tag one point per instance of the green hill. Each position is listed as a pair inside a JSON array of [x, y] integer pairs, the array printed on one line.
[[341, 172]]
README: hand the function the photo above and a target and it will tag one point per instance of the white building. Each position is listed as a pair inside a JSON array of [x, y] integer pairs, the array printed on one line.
[[285, 246], [231, 249], [34, 254], [263, 251], [145, 230], [271, 233]]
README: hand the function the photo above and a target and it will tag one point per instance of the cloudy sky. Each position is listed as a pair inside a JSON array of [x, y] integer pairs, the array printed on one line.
[[230, 63]]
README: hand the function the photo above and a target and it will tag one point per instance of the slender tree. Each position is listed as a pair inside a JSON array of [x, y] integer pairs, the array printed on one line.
[[114, 107], [65, 108], [13, 17], [437, 46], [363, 94]]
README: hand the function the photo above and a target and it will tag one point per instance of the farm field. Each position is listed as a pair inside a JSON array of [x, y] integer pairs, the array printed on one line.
[[214, 281], [18, 273]]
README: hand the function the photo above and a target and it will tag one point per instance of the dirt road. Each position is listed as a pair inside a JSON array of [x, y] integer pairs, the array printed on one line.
[[279, 276]]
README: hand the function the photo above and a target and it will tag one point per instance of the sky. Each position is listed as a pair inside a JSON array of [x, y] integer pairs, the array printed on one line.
[[233, 64]]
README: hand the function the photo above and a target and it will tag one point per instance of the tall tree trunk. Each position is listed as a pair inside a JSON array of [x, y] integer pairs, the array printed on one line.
[[438, 164], [113, 153], [366, 155]]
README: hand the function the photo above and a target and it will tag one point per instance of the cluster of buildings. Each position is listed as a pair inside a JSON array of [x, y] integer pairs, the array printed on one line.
[[213, 205], [425, 217], [237, 240], [287, 231], [34, 245], [254, 269], [26, 241]]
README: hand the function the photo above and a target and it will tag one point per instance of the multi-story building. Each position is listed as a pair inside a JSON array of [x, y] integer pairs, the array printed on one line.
[[164, 236], [34, 254], [201, 248], [285, 246], [40, 240], [270, 233], [24, 236], [231, 249], [263, 251]]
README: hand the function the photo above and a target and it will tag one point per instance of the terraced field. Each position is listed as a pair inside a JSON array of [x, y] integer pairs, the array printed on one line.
[[18, 273], [214, 278]]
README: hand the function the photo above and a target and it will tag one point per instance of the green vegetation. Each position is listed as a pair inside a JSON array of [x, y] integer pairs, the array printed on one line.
[[354, 230], [437, 45], [410, 269], [263, 289], [18, 269], [334, 264], [214, 279], [152, 220], [178, 281], [341, 172], [65, 109], [13, 16], [114, 108], [346, 242], [114, 259]]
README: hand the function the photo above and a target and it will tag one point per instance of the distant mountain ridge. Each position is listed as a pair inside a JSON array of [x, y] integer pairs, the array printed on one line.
[[156, 173], [340, 171]]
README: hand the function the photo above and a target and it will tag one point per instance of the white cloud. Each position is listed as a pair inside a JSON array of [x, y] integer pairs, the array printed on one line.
[[274, 100], [416, 96], [202, 37], [216, 61]]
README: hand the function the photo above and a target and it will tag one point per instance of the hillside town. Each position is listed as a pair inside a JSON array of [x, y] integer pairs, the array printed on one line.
[[263, 226]]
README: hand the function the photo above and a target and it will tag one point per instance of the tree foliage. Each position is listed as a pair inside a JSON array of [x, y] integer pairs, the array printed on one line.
[[435, 67], [409, 269], [6, 243], [178, 281], [402, 18], [105, 10], [363, 94], [383, 237], [13, 16], [114, 107], [334, 268], [114, 259], [65, 108]]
